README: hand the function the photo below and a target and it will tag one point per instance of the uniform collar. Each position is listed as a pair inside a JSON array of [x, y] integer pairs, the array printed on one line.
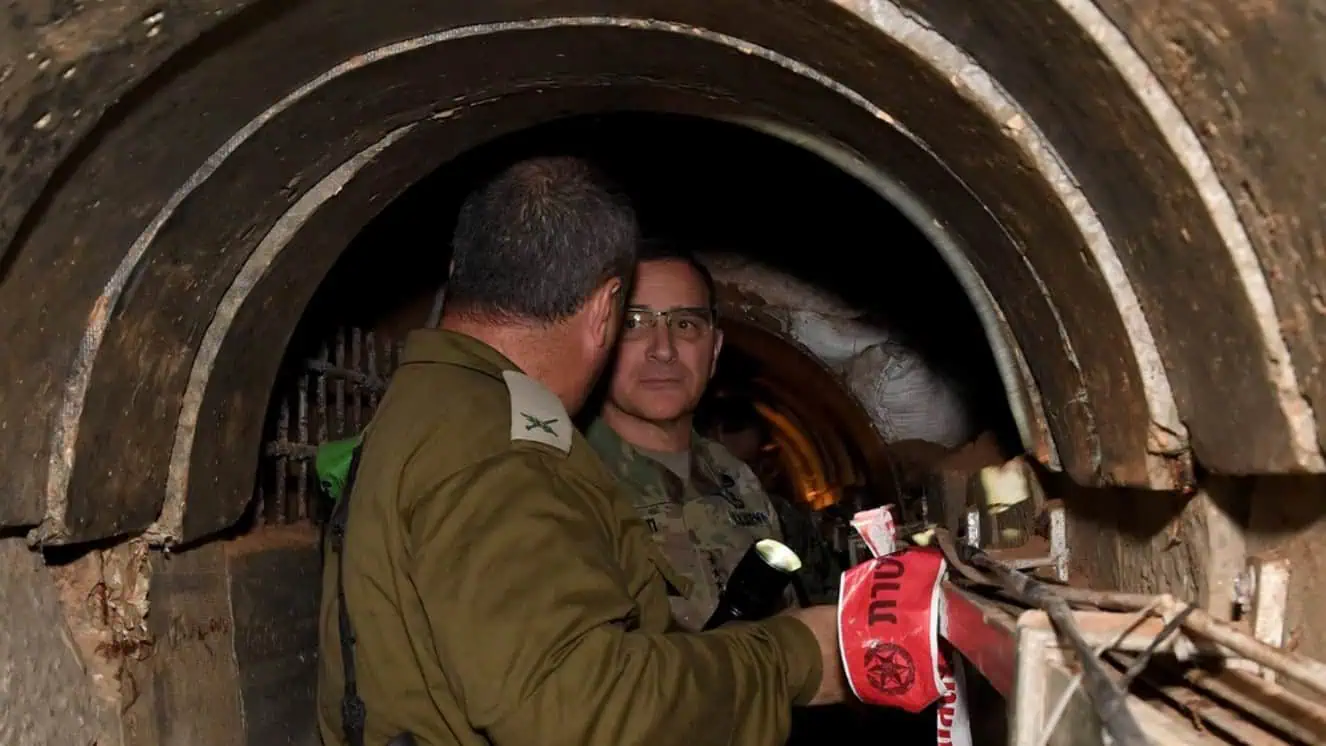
[[537, 414], [613, 449], [453, 348], [603, 437]]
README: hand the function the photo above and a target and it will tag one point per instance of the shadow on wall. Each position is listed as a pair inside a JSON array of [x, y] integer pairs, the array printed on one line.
[[1194, 545]]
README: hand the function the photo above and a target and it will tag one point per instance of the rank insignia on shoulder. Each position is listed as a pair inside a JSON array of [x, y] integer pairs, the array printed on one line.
[[537, 415]]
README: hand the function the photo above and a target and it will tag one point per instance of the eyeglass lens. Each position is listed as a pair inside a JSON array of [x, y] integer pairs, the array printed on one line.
[[683, 323]]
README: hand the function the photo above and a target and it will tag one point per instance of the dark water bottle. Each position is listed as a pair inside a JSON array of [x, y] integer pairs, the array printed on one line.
[[756, 587]]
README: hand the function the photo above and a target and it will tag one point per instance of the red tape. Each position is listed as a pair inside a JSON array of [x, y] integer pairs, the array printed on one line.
[[876, 528], [954, 724], [888, 622]]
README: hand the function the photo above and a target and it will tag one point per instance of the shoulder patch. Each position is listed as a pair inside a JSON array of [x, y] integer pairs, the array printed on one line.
[[537, 414]]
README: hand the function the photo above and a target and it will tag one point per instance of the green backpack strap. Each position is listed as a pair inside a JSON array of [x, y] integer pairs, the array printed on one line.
[[337, 464], [332, 464]]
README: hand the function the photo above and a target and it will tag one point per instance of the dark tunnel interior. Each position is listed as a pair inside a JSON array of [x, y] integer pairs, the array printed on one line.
[[191, 193], [712, 185]]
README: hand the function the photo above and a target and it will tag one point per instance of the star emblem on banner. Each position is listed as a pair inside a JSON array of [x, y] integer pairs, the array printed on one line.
[[890, 668]]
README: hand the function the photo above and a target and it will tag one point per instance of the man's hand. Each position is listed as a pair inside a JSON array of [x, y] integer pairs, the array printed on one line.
[[823, 623]]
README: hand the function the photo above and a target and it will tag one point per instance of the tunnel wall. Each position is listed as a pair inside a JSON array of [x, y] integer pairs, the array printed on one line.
[[46, 695], [1137, 190], [1135, 342], [233, 650]]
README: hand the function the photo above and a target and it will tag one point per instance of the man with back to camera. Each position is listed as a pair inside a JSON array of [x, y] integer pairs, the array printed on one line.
[[703, 506], [498, 587]]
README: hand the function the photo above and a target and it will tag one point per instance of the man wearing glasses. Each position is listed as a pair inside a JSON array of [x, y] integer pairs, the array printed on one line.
[[703, 506]]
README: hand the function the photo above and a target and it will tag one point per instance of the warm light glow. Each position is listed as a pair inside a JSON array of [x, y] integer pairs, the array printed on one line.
[[801, 460]]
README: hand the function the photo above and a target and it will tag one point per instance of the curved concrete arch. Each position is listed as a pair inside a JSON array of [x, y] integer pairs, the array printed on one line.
[[169, 525], [1020, 390], [103, 469], [856, 454], [357, 188]]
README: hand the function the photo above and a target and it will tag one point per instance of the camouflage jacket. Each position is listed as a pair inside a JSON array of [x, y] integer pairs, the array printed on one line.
[[704, 524]]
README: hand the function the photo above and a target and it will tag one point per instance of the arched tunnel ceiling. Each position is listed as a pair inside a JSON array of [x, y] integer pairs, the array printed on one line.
[[789, 378], [187, 226]]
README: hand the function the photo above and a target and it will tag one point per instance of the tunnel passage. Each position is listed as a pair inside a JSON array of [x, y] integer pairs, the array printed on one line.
[[823, 459], [747, 204], [389, 280], [1127, 191], [213, 160]]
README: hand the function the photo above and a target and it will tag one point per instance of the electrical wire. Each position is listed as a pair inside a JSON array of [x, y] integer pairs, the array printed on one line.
[[1171, 627], [1061, 706], [1108, 700]]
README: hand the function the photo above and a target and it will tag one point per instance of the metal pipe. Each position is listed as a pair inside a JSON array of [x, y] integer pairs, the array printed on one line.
[[1108, 700], [1305, 671], [1279, 708]]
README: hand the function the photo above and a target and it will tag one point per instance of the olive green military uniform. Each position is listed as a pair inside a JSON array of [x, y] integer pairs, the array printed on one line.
[[703, 522], [503, 591]]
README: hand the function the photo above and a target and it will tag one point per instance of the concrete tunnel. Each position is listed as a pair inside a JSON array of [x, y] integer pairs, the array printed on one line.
[[1127, 194]]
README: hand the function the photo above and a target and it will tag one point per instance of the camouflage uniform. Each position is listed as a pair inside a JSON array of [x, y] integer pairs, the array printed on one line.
[[803, 533], [704, 524]]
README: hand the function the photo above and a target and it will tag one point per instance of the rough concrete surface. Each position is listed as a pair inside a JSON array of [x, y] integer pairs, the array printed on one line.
[[159, 220], [186, 690], [45, 698], [1289, 521], [1140, 541]]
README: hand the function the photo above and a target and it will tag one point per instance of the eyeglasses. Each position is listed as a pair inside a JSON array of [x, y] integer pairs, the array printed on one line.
[[684, 323]]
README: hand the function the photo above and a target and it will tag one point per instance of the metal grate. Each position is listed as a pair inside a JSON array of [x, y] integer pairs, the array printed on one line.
[[329, 397]]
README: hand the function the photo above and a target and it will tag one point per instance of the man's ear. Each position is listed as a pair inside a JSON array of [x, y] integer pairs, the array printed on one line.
[[718, 347], [604, 311]]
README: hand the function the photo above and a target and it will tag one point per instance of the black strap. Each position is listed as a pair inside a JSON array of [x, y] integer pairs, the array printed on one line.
[[352, 707]]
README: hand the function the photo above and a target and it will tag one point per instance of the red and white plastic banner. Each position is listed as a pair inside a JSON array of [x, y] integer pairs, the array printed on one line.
[[891, 615], [876, 528], [888, 629], [954, 727]]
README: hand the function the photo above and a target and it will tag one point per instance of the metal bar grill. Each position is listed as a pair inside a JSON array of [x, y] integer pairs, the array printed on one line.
[[328, 397]]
